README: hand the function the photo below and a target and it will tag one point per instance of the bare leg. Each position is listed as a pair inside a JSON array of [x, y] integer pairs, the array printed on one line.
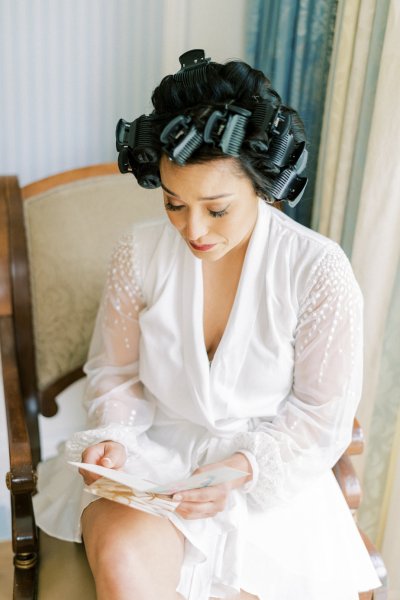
[[132, 554]]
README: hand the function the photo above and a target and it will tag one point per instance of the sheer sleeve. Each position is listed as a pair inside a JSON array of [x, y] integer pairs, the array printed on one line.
[[117, 408], [313, 426]]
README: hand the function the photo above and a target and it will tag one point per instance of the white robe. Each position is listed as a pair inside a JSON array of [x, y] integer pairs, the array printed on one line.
[[283, 386]]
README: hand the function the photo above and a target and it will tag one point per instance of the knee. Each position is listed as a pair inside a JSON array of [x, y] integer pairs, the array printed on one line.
[[116, 564], [111, 553]]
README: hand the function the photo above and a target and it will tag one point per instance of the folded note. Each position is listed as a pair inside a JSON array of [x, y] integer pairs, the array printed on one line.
[[146, 495]]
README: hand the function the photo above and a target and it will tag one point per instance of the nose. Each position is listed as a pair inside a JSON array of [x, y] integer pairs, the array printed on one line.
[[196, 226]]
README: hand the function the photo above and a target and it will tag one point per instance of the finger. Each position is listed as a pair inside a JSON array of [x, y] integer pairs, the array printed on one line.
[[197, 514], [209, 494], [197, 507], [114, 456], [93, 454], [88, 478]]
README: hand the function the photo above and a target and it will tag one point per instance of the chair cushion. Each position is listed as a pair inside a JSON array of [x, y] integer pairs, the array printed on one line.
[[64, 571], [68, 267]]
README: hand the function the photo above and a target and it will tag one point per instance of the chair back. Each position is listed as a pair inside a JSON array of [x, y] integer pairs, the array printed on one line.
[[61, 233]]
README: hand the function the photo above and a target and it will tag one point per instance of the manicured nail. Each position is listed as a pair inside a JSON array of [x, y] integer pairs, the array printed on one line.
[[177, 498], [107, 462]]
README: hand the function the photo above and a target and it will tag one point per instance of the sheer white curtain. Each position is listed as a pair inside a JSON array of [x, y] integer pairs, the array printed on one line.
[[357, 203], [69, 69]]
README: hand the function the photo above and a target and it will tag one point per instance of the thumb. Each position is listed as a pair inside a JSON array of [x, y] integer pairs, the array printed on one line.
[[114, 456]]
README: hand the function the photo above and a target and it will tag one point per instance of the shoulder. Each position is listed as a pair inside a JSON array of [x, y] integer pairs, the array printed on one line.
[[145, 237], [310, 259], [287, 230], [137, 248]]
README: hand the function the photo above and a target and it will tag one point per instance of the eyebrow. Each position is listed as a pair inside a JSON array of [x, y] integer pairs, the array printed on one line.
[[204, 198]]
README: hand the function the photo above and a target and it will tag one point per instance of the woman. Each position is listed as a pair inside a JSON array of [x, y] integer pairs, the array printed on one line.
[[228, 336]]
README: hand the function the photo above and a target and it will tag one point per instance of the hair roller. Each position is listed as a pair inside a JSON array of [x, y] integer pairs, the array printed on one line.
[[235, 130], [263, 115], [147, 175], [280, 149], [180, 138], [193, 67], [289, 186]]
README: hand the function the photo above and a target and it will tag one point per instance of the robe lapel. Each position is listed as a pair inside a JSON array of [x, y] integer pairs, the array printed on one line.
[[232, 350], [194, 352], [212, 387]]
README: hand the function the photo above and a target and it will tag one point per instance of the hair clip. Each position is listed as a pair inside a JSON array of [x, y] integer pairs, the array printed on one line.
[[282, 123], [135, 143], [227, 129], [299, 158], [235, 130], [193, 66], [281, 149], [147, 175], [289, 186], [263, 115], [214, 127], [180, 138]]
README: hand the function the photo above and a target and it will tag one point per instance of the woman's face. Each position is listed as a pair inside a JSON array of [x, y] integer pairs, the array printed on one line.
[[212, 205]]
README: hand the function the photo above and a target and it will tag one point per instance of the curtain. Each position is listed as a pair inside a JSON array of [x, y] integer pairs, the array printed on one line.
[[357, 204], [291, 43], [69, 70]]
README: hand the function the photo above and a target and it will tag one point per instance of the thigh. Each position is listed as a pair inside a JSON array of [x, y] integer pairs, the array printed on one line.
[[115, 533]]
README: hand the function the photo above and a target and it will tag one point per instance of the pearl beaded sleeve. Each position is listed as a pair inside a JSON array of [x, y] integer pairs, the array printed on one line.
[[117, 408], [313, 426]]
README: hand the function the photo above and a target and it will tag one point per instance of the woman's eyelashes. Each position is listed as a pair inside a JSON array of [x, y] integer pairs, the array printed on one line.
[[213, 213]]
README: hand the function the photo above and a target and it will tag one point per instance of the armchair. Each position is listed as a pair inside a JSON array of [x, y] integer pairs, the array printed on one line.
[[55, 239]]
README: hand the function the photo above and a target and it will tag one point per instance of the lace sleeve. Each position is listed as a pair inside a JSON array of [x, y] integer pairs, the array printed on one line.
[[117, 408], [313, 427]]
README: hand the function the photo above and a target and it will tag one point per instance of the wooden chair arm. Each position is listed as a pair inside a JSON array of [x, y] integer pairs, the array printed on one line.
[[21, 479], [347, 479], [357, 441]]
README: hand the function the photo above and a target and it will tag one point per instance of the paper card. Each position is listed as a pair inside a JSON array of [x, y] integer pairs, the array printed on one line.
[[150, 503], [119, 476], [201, 480], [206, 479]]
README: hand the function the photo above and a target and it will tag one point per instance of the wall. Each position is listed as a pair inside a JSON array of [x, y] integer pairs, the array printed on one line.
[[69, 69]]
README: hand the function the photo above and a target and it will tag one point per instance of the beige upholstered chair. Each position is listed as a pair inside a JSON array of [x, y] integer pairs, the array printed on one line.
[[55, 240]]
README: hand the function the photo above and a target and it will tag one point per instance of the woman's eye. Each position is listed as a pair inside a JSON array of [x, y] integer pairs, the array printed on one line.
[[172, 207], [218, 213]]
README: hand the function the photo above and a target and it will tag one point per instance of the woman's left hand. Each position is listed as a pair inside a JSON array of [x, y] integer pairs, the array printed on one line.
[[206, 502]]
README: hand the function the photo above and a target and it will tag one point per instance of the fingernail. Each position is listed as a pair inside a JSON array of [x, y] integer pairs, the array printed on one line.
[[107, 460], [177, 498]]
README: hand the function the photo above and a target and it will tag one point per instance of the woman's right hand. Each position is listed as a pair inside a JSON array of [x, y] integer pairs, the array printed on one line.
[[111, 455]]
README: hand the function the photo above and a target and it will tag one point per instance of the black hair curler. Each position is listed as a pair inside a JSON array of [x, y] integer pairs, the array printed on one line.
[[138, 137], [289, 186], [227, 129], [235, 130], [263, 116], [299, 158], [147, 175], [281, 149], [193, 67], [214, 127], [180, 138]]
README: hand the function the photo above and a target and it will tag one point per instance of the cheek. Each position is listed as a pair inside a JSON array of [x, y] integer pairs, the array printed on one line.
[[175, 219]]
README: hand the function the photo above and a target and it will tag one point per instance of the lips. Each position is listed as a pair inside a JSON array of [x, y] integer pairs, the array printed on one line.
[[202, 247]]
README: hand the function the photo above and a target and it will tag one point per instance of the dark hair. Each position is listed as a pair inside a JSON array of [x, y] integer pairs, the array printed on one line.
[[209, 110]]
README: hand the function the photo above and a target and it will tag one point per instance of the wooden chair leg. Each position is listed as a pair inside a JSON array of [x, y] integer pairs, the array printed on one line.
[[25, 583]]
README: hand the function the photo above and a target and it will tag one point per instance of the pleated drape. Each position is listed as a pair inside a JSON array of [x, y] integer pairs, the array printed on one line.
[[291, 41], [357, 204]]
